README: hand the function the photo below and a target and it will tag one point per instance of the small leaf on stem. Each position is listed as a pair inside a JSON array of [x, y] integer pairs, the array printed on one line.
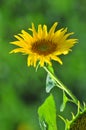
[[50, 83], [65, 100]]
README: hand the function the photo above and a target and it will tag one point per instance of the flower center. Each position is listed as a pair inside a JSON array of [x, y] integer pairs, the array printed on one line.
[[79, 123], [43, 47]]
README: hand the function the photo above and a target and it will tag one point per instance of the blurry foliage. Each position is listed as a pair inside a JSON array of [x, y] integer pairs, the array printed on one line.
[[21, 88]]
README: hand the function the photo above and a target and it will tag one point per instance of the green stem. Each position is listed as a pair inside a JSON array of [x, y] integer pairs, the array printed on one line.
[[62, 86]]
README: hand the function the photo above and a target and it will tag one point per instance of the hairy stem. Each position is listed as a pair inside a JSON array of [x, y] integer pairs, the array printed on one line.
[[62, 86]]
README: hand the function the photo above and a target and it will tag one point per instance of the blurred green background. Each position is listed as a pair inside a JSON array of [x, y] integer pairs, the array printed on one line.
[[22, 89]]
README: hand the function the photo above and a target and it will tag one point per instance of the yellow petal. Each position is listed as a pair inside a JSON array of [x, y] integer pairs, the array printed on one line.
[[53, 28], [35, 58], [59, 34], [44, 34], [34, 31], [20, 44], [40, 31], [41, 61], [17, 50], [56, 59], [48, 61], [66, 52], [67, 35], [29, 59], [26, 36], [19, 38]]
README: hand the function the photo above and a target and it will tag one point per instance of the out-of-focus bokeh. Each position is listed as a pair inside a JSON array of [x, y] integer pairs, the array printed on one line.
[[22, 89]]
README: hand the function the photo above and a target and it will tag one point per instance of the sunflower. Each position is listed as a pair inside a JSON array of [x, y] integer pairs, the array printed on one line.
[[43, 46], [78, 121]]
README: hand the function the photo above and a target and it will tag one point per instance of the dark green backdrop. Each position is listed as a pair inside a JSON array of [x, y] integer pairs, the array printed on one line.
[[22, 89]]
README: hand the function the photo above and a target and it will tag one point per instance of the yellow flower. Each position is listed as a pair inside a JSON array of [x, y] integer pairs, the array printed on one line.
[[43, 46]]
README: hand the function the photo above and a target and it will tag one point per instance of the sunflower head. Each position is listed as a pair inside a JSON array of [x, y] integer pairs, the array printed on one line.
[[78, 121], [43, 46]]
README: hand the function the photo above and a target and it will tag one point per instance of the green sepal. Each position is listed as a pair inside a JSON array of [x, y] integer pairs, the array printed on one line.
[[50, 68]]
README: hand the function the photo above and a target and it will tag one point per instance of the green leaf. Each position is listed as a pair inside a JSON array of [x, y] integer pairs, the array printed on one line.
[[47, 114], [50, 83]]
